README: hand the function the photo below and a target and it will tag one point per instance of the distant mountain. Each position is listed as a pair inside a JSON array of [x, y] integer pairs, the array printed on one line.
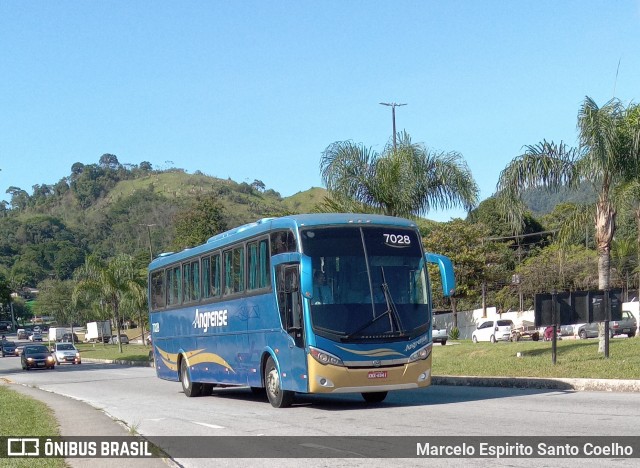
[[541, 201]]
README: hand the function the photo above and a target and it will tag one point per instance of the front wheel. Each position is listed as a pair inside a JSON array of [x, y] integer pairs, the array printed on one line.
[[190, 388], [583, 335], [443, 342], [474, 338], [278, 397], [374, 397]]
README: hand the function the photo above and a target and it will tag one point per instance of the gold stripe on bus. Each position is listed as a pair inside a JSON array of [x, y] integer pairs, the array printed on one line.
[[209, 357]]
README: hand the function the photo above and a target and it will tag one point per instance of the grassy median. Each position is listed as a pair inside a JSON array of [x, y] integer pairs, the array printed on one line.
[[574, 359], [24, 416]]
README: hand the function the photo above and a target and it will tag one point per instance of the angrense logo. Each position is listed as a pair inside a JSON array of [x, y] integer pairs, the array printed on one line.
[[213, 318]]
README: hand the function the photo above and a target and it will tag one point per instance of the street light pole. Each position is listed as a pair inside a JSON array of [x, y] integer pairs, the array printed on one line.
[[393, 106]]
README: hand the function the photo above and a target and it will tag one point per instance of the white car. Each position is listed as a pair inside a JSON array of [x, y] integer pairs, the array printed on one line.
[[66, 352], [493, 330]]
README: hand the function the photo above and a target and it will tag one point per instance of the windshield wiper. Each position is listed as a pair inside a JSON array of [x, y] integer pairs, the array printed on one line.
[[391, 307], [391, 311]]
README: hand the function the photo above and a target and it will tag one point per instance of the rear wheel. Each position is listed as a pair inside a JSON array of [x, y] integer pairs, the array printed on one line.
[[374, 397], [444, 342], [583, 334], [190, 388], [278, 397], [474, 338], [492, 338]]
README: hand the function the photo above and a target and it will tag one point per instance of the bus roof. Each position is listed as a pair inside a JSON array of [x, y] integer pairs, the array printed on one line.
[[286, 222]]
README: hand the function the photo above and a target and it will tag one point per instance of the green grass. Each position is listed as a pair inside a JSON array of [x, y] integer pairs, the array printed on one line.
[[130, 352], [24, 416], [574, 359]]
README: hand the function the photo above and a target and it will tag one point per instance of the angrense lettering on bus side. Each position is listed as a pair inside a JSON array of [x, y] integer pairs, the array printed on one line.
[[213, 318]]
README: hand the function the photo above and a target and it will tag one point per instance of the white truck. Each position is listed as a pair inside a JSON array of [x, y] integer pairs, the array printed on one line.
[[55, 333], [98, 331]]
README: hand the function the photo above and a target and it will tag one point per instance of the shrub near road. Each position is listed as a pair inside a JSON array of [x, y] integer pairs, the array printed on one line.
[[575, 359]]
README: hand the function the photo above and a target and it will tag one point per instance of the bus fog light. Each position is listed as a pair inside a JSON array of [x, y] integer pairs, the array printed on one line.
[[422, 377], [324, 382]]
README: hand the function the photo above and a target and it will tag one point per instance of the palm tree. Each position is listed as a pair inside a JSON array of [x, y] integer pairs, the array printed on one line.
[[606, 157], [408, 180], [117, 281]]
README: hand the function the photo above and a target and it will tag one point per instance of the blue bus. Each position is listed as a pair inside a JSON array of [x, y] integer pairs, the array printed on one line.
[[311, 303]]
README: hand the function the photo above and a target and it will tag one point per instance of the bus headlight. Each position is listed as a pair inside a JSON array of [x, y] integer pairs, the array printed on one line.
[[421, 354], [325, 358]]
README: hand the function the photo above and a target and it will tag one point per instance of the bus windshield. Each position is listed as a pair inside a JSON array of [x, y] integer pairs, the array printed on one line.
[[370, 283]]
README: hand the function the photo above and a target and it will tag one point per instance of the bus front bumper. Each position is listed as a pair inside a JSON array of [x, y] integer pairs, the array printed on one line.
[[336, 379]]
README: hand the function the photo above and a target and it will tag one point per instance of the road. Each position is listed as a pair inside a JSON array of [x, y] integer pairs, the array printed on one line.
[[154, 407]]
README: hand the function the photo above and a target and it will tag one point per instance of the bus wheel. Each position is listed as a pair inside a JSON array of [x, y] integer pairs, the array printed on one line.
[[278, 397], [191, 389], [374, 397]]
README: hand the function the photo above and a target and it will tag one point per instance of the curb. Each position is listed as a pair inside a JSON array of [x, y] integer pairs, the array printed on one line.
[[122, 362], [581, 385]]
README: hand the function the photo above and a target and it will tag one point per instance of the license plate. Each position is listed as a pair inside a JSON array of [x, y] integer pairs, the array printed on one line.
[[626, 330], [40, 364], [377, 375]]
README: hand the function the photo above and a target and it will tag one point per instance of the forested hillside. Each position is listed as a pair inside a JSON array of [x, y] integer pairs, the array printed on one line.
[[107, 208]]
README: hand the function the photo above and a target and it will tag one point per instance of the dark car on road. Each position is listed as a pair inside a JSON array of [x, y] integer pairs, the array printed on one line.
[[7, 348], [70, 338], [36, 357]]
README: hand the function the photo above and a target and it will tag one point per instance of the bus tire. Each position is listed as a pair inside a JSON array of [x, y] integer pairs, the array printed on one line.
[[191, 389], [374, 397], [278, 397]]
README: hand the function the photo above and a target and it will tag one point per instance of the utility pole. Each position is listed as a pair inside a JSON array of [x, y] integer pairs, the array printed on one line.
[[393, 106], [149, 232]]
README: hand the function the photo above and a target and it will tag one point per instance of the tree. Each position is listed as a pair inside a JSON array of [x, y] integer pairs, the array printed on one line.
[[109, 161], [53, 300], [406, 180], [475, 260], [112, 284], [606, 157], [194, 226]]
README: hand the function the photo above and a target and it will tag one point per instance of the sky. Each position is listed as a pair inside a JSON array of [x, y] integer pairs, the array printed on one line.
[[257, 90]]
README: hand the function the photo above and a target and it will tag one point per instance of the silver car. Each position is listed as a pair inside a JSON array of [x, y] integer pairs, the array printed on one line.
[[627, 326], [66, 352]]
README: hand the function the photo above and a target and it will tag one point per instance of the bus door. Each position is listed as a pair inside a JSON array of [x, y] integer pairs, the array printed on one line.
[[292, 356]]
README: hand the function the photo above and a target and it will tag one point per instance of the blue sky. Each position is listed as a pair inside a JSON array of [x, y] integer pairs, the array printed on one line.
[[257, 90]]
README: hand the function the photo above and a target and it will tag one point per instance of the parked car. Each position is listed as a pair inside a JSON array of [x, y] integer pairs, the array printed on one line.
[[589, 330], [37, 357], [66, 352], [7, 348], [440, 334], [493, 330], [626, 326], [36, 336], [123, 338], [70, 338]]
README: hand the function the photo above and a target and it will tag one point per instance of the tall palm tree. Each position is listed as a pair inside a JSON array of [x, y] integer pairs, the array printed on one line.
[[117, 281], [606, 157], [405, 180]]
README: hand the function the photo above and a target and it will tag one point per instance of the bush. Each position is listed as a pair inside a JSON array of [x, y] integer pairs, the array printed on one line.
[[454, 334]]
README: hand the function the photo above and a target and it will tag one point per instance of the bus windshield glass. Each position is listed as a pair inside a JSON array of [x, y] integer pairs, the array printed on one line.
[[370, 283]]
